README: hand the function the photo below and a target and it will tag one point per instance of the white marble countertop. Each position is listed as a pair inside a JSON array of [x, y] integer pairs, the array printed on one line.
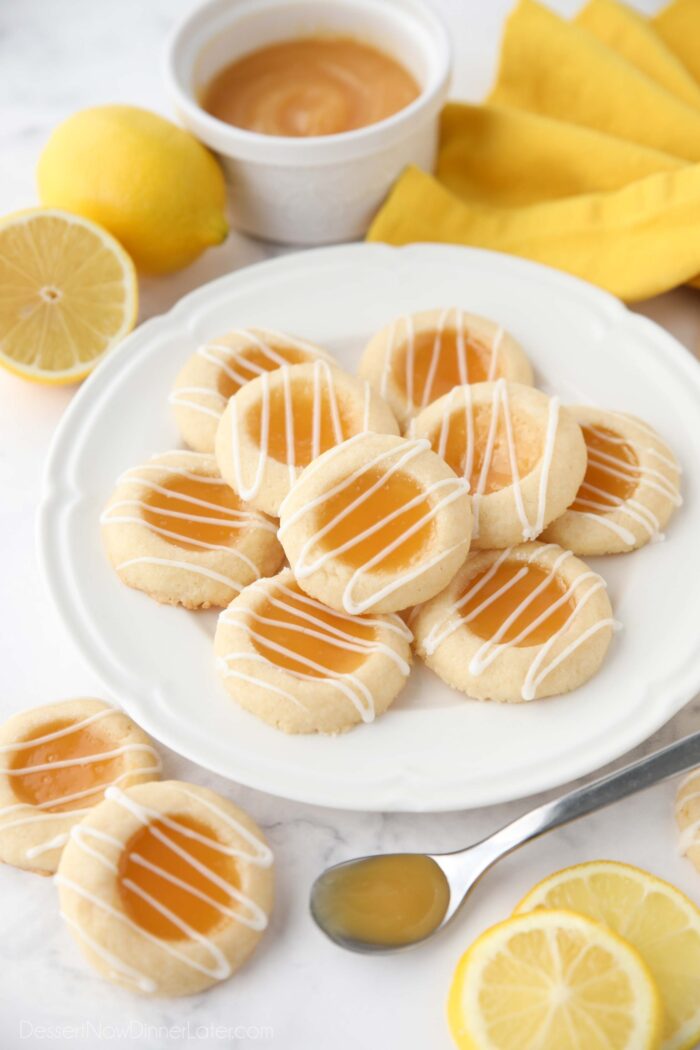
[[298, 992]]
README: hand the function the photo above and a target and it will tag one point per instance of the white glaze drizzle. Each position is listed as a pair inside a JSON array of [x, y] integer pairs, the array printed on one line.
[[500, 405], [311, 624], [493, 647], [435, 356], [119, 970], [323, 391], [604, 504], [305, 566], [495, 352], [461, 328], [666, 455], [248, 913], [32, 814], [390, 347], [130, 512], [234, 363]]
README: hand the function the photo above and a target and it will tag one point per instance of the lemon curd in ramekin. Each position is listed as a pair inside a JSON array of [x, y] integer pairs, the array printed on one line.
[[311, 164], [318, 85]]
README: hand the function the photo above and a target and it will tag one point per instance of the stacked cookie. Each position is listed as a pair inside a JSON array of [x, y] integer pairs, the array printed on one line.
[[439, 485]]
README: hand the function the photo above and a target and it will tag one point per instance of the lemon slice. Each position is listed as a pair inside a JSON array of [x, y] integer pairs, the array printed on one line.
[[653, 916], [68, 293], [553, 980]]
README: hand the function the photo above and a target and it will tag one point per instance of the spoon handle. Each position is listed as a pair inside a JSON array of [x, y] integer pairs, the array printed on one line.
[[676, 758]]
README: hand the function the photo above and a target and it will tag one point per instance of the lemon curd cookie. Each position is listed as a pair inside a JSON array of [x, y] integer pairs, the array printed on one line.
[[277, 424], [376, 524], [305, 668], [56, 762], [688, 816], [167, 887], [523, 455], [174, 529], [219, 368], [418, 358], [629, 492], [526, 622]]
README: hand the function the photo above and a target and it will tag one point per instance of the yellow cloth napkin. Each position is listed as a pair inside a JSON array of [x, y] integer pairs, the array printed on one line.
[[508, 157], [555, 67], [636, 39], [584, 157], [678, 25]]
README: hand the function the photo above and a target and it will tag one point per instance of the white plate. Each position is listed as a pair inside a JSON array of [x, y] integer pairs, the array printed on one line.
[[433, 750]]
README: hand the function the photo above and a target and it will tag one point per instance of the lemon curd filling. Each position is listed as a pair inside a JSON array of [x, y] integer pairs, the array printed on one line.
[[248, 362], [173, 867], [389, 504], [611, 474], [499, 473], [74, 747], [515, 592], [292, 633], [320, 85], [295, 421], [428, 380], [176, 511]]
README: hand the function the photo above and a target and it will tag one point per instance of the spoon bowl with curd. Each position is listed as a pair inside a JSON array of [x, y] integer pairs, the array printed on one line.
[[390, 902]]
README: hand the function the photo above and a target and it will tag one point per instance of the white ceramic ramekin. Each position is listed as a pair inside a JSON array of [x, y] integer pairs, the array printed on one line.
[[326, 188]]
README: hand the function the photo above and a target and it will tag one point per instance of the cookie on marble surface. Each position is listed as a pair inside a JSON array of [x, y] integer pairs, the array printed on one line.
[[220, 367], [166, 887], [522, 453], [527, 622], [57, 760], [305, 668], [418, 358], [277, 424], [688, 816], [376, 524], [174, 529], [630, 490]]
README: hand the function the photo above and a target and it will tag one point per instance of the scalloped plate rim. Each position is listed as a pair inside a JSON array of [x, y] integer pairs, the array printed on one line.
[[400, 787]]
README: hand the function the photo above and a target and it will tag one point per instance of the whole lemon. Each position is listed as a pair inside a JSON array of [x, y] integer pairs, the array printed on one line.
[[151, 184]]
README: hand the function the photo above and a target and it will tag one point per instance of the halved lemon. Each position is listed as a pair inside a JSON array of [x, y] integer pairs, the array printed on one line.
[[653, 916], [553, 980], [68, 294]]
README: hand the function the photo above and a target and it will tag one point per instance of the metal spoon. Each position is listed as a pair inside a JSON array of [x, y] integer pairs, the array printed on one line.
[[463, 868]]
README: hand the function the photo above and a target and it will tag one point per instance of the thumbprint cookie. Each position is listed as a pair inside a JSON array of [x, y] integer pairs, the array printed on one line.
[[167, 887], [530, 621], [376, 524], [57, 762], [278, 423], [523, 455], [174, 529], [630, 489], [418, 358], [219, 368], [305, 668], [688, 816]]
